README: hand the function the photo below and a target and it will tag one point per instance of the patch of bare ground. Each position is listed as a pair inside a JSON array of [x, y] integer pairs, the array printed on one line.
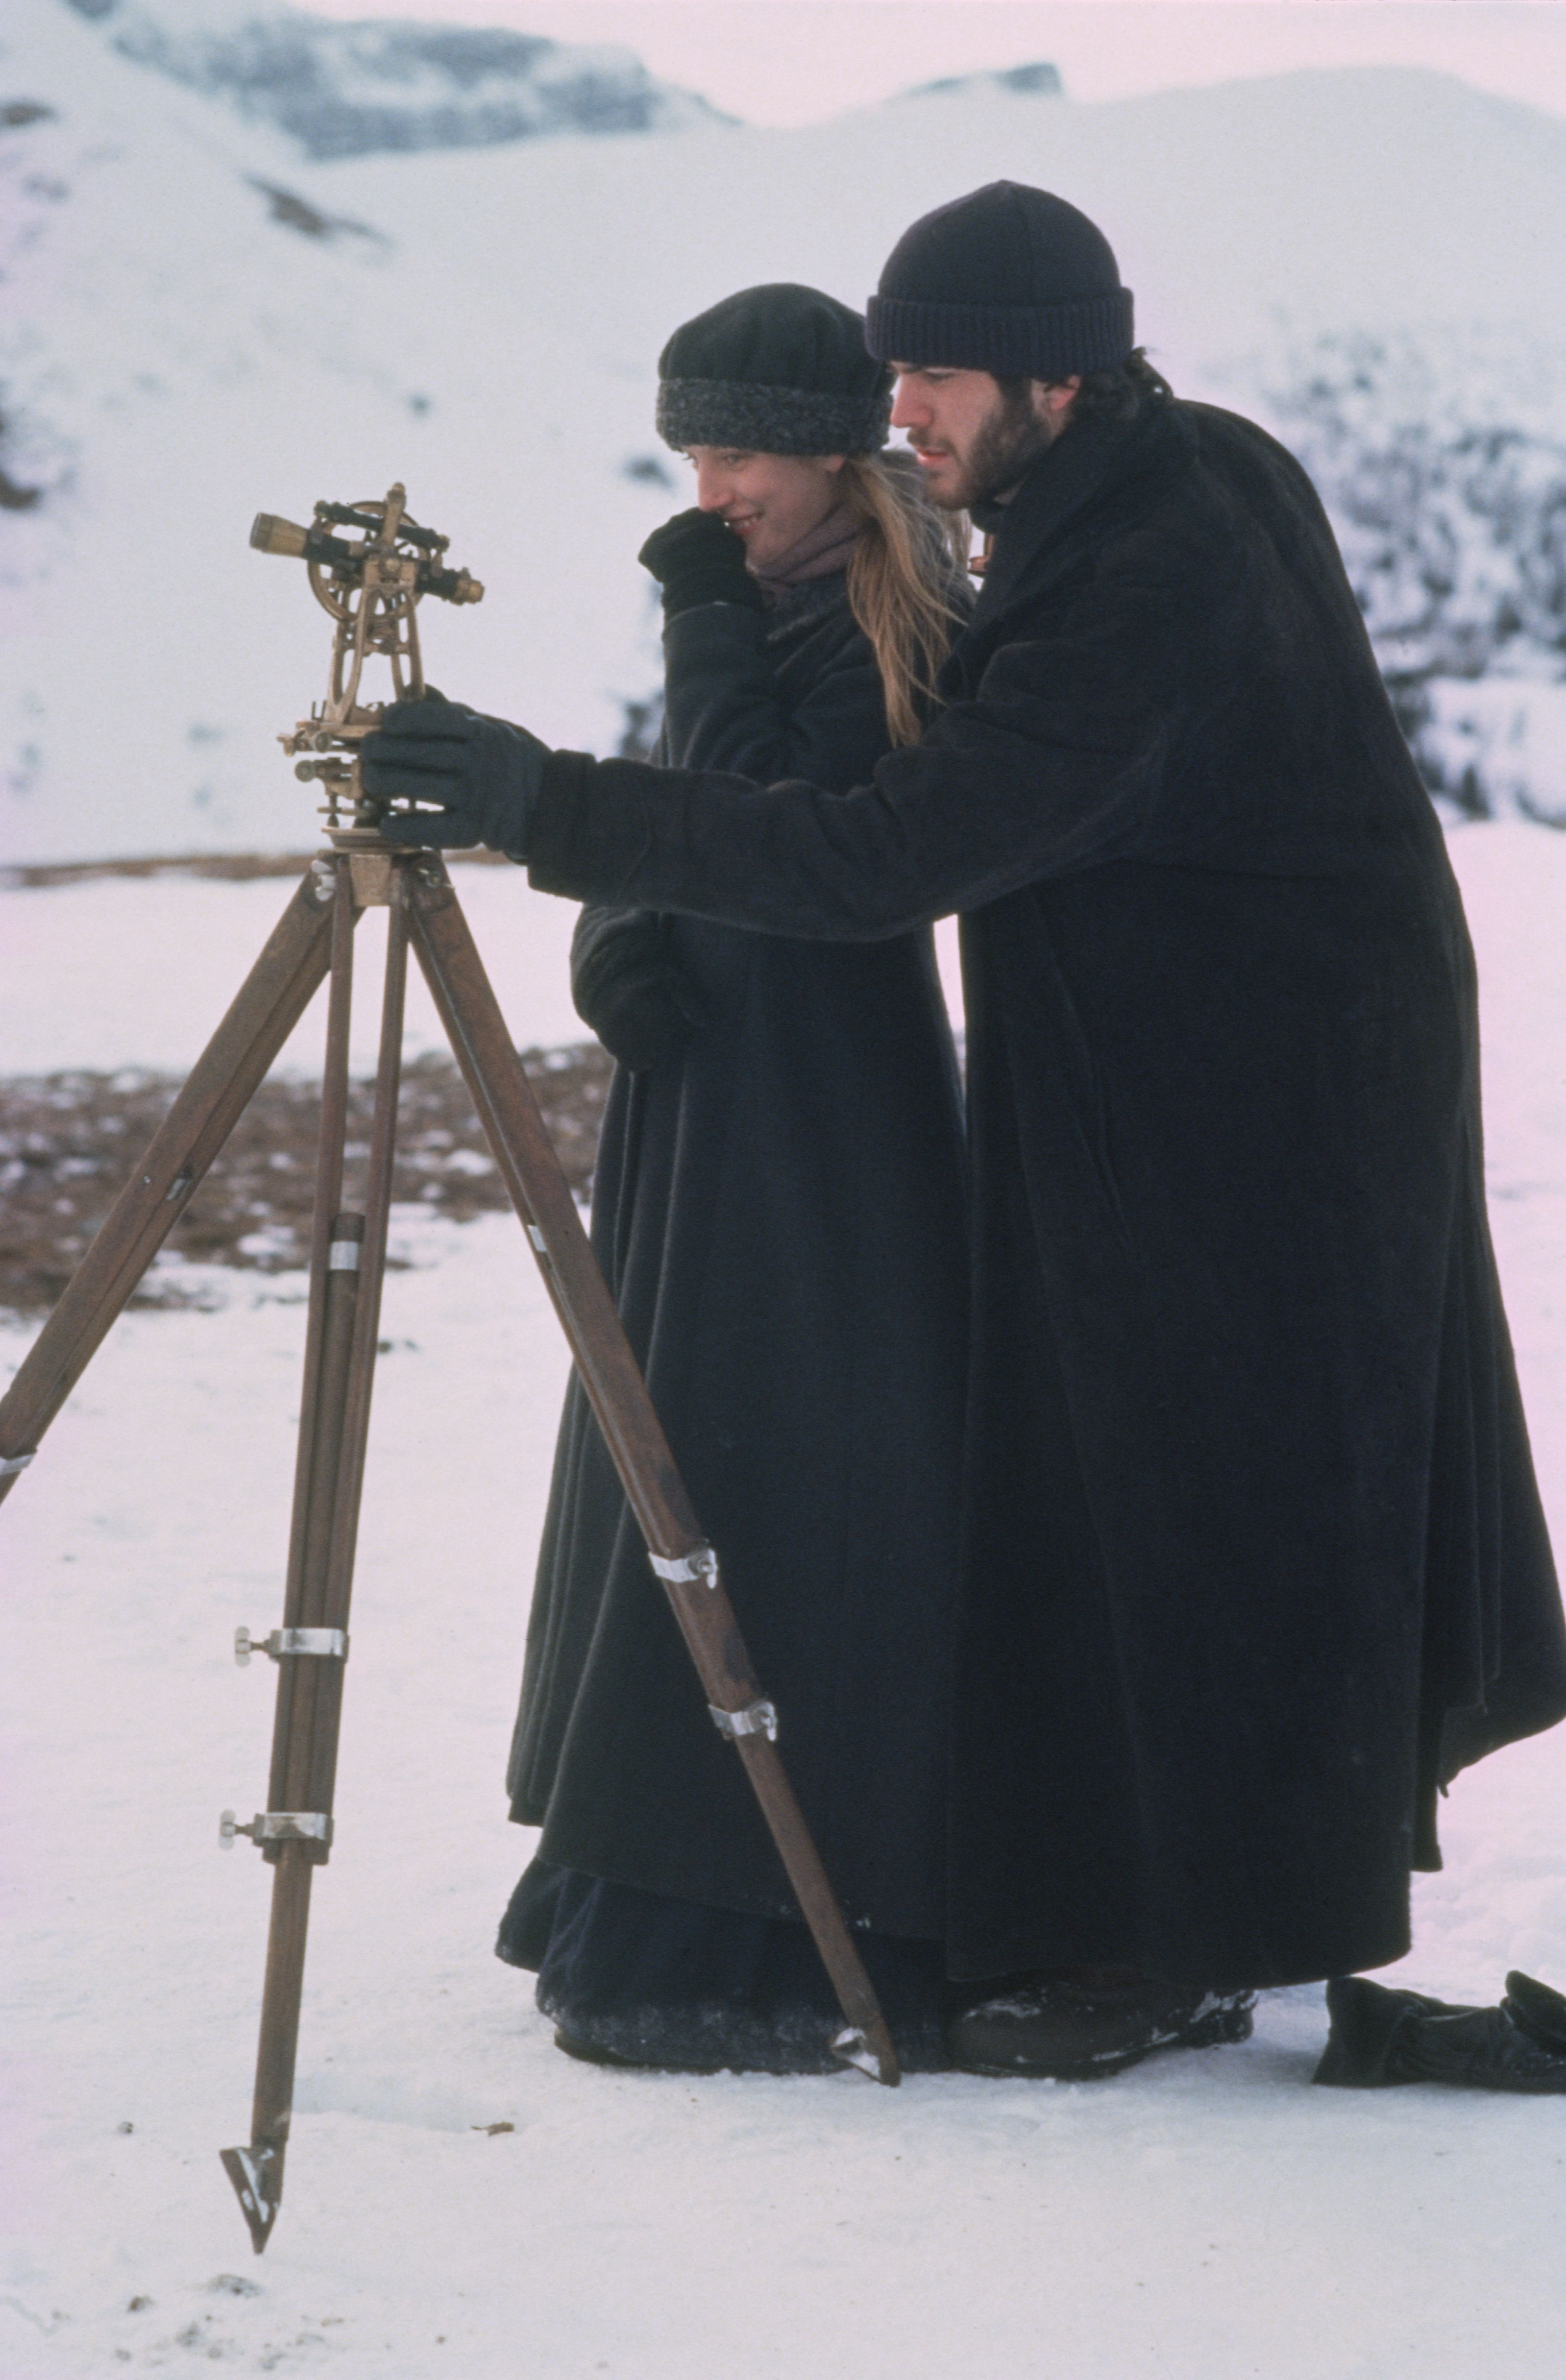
[[225, 867], [68, 1142]]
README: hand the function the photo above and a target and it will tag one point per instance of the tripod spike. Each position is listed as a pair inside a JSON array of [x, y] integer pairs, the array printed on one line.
[[257, 2176], [868, 2046]]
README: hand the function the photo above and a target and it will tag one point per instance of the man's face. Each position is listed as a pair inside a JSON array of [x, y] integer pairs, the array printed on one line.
[[974, 440]]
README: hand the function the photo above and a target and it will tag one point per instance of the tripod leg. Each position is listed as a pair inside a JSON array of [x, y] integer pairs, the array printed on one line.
[[331, 1134], [373, 1264], [631, 1429], [225, 1079], [335, 1423]]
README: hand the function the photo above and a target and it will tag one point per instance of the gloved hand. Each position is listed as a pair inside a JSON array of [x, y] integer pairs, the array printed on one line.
[[642, 1006], [697, 560], [473, 777]]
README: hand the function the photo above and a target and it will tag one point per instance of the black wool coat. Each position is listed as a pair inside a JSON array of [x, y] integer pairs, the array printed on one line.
[[1254, 1555], [779, 1212]]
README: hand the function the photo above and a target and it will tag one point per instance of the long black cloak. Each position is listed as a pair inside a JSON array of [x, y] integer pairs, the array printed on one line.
[[779, 1211], [1255, 1557]]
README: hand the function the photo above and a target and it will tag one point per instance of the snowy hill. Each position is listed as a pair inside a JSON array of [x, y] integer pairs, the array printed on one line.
[[343, 90], [1025, 82], [198, 323]]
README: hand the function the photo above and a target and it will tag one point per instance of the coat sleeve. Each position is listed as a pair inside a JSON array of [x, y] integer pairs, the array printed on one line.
[[1060, 763], [724, 709]]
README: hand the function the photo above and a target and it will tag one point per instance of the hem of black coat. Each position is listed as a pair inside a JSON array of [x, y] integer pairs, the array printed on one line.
[[1035, 1954], [1470, 1733], [676, 1885], [649, 1980]]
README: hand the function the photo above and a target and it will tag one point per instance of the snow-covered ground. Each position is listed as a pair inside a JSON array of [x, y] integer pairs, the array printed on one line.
[[98, 967], [118, 972], [1207, 2217]]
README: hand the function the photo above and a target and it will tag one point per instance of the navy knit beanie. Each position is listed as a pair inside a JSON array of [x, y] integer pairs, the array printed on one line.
[[1010, 280], [780, 369]]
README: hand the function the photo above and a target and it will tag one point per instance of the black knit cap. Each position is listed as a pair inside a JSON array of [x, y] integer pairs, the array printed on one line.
[[780, 369], [1009, 280]]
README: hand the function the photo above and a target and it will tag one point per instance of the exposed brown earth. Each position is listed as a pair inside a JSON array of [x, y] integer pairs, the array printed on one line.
[[67, 1142], [224, 866]]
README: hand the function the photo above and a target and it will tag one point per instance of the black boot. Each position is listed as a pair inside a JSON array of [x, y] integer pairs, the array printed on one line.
[[1076, 2031], [1380, 2037]]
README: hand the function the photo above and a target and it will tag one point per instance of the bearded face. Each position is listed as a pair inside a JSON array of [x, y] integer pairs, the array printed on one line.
[[973, 435], [1007, 441]]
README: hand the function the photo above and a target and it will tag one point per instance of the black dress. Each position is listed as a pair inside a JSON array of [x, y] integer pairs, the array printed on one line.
[[779, 1212]]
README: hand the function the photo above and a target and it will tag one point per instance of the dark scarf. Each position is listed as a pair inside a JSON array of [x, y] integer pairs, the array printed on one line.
[[817, 554]]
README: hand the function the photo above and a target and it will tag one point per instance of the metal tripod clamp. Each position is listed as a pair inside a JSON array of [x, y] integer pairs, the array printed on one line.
[[321, 1644], [756, 1719], [276, 1827], [686, 1569]]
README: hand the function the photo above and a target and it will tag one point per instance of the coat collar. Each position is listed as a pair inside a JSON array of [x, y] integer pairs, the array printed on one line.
[[1067, 500]]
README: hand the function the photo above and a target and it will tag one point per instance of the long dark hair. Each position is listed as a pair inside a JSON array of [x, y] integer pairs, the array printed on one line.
[[1117, 393]]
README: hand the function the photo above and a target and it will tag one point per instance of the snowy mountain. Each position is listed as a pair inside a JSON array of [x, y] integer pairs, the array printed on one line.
[[1035, 81], [198, 323], [345, 90]]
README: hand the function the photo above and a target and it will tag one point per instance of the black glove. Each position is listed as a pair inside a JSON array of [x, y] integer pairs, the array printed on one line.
[[697, 560], [641, 1005], [473, 777]]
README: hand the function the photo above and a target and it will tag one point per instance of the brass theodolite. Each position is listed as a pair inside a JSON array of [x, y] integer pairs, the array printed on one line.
[[372, 586], [371, 589]]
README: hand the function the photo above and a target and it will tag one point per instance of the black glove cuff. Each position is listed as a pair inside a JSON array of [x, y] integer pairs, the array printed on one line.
[[706, 583]]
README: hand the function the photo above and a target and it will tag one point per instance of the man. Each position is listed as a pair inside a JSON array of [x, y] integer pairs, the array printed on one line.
[[1255, 1561]]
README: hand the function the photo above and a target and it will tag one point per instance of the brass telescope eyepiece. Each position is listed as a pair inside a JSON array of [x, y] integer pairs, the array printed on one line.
[[270, 533]]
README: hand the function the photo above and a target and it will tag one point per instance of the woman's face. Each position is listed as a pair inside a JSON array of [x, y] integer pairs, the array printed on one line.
[[771, 501]]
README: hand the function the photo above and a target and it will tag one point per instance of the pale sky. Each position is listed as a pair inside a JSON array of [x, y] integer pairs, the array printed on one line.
[[798, 61]]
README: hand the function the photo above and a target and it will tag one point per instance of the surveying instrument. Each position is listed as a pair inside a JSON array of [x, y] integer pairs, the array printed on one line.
[[369, 567]]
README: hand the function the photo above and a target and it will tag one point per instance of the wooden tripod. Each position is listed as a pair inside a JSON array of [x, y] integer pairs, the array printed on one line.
[[312, 939]]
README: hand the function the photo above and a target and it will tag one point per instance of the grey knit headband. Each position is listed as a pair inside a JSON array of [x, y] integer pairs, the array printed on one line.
[[770, 421]]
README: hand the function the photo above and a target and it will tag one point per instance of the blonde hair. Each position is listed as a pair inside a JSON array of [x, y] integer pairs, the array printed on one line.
[[908, 582]]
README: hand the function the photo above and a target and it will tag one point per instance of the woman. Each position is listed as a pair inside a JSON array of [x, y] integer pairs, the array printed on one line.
[[778, 1210]]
